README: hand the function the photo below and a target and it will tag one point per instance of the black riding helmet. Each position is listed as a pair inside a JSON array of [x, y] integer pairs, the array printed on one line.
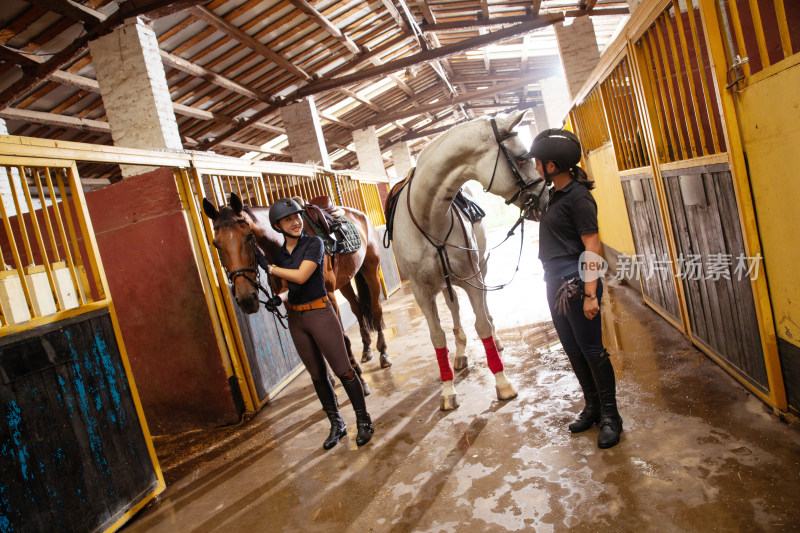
[[560, 146], [281, 209]]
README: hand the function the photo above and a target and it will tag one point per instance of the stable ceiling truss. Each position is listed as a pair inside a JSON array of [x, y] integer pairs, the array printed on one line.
[[411, 68]]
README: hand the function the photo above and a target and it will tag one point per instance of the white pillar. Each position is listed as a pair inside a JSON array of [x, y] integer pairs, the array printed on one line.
[[303, 128], [368, 151], [402, 158], [134, 90], [556, 100], [5, 185], [577, 46], [540, 119]]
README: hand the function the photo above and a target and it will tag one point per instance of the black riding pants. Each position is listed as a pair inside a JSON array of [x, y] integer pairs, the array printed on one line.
[[578, 335], [318, 337]]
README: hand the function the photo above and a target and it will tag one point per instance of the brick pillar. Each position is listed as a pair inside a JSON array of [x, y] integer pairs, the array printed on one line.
[[368, 151], [134, 90], [577, 46], [556, 100], [402, 158], [302, 125], [539, 119]]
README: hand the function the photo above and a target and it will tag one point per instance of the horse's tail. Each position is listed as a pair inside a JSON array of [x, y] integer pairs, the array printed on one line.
[[365, 302]]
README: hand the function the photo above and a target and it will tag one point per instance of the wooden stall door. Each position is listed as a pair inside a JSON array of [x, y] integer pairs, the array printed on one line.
[[715, 271], [652, 254]]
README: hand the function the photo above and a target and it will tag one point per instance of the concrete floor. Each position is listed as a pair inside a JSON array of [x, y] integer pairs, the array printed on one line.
[[699, 453]]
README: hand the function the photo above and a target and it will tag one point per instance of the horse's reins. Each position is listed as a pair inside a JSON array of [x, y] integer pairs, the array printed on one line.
[[233, 274], [441, 248]]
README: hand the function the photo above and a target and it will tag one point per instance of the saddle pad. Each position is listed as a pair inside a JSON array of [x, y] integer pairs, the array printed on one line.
[[350, 243]]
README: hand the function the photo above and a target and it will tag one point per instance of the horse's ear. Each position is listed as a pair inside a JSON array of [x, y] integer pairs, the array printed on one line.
[[236, 203], [209, 209], [506, 123]]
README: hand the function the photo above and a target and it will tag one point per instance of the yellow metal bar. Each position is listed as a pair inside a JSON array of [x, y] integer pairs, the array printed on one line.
[[613, 98], [46, 213], [625, 94], [759, 31], [20, 215], [87, 232], [616, 135], [37, 233], [670, 94], [650, 105], [690, 77], [659, 92], [35, 322], [783, 28], [701, 66], [223, 305], [737, 31], [747, 217], [634, 86], [12, 242], [679, 81], [73, 238]]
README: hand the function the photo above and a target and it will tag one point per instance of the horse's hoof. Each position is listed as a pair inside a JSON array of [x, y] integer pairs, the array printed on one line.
[[506, 392], [449, 402], [365, 387], [461, 362], [366, 356], [499, 345], [385, 361]]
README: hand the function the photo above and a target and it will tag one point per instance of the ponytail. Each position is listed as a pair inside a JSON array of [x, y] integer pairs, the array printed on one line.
[[579, 175]]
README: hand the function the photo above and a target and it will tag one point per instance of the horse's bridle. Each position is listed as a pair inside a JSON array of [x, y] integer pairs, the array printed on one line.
[[233, 274], [522, 185]]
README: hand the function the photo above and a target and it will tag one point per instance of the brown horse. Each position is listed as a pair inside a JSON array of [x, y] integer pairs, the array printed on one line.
[[236, 226]]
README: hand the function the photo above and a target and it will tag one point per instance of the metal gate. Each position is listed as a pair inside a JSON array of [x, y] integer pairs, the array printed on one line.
[[77, 451]]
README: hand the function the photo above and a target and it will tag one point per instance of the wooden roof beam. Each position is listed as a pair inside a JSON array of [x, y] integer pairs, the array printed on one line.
[[326, 25], [52, 119], [535, 7], [518, 19], [362, 100], [131, 8], [322, 86], [72, 10], [429, 55], [211, 18]]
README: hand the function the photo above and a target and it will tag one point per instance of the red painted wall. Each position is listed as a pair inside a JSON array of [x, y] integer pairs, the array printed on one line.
[[155, 284]]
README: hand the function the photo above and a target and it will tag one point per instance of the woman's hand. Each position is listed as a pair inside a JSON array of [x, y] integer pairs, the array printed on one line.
[[591, 308]]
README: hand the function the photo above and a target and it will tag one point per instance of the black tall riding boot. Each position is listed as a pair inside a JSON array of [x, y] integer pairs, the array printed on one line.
[[352, 387], [328, 400], [591, 411], [610, 421]]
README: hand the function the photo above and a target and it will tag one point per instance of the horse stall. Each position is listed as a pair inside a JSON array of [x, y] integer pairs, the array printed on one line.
[[662, 102], [76, 451]]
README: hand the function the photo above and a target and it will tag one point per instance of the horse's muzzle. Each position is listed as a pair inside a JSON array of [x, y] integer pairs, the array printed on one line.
[[249, 303]]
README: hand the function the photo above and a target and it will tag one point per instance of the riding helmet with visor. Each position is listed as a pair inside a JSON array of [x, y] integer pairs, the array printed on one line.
[[560, 146], [281, 209]]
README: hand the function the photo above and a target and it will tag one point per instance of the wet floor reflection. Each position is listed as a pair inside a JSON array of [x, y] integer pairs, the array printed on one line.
[[699, 453]]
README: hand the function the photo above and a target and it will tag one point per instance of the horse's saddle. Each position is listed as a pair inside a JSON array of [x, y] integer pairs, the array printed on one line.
[[339, 234]]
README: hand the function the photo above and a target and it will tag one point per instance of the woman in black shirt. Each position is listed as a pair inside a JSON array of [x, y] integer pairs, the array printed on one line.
[[567, 229], [315, 327]]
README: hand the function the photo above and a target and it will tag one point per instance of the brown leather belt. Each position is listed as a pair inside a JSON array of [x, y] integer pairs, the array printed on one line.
[[319, 303]]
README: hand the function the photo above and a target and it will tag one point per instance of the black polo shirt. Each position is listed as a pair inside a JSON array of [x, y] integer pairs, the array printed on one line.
[[311, 249], [570, 213]]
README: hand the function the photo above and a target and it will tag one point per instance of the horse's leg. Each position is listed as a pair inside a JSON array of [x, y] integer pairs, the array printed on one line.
[[427, 304], [348, 345], [505, 390], [366, 339], [372, 277], [461, 361]]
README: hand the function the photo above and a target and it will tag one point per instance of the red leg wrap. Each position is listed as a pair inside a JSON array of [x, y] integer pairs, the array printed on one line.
[[444, 364], [492, 356]]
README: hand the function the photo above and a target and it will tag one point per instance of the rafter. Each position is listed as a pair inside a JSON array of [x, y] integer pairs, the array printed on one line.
[[72, 10], [516, 19], [326, 25], [226, 27], [52, 119], [152, 8]]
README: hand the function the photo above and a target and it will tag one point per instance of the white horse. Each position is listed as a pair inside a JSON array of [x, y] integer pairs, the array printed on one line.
[[434, 245]]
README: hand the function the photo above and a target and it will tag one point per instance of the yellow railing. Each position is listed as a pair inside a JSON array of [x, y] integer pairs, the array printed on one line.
[[47, 272], [590, 120], [626, 125]]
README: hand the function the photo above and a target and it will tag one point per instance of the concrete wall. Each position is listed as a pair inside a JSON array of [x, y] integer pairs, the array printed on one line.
[[144, 241]]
